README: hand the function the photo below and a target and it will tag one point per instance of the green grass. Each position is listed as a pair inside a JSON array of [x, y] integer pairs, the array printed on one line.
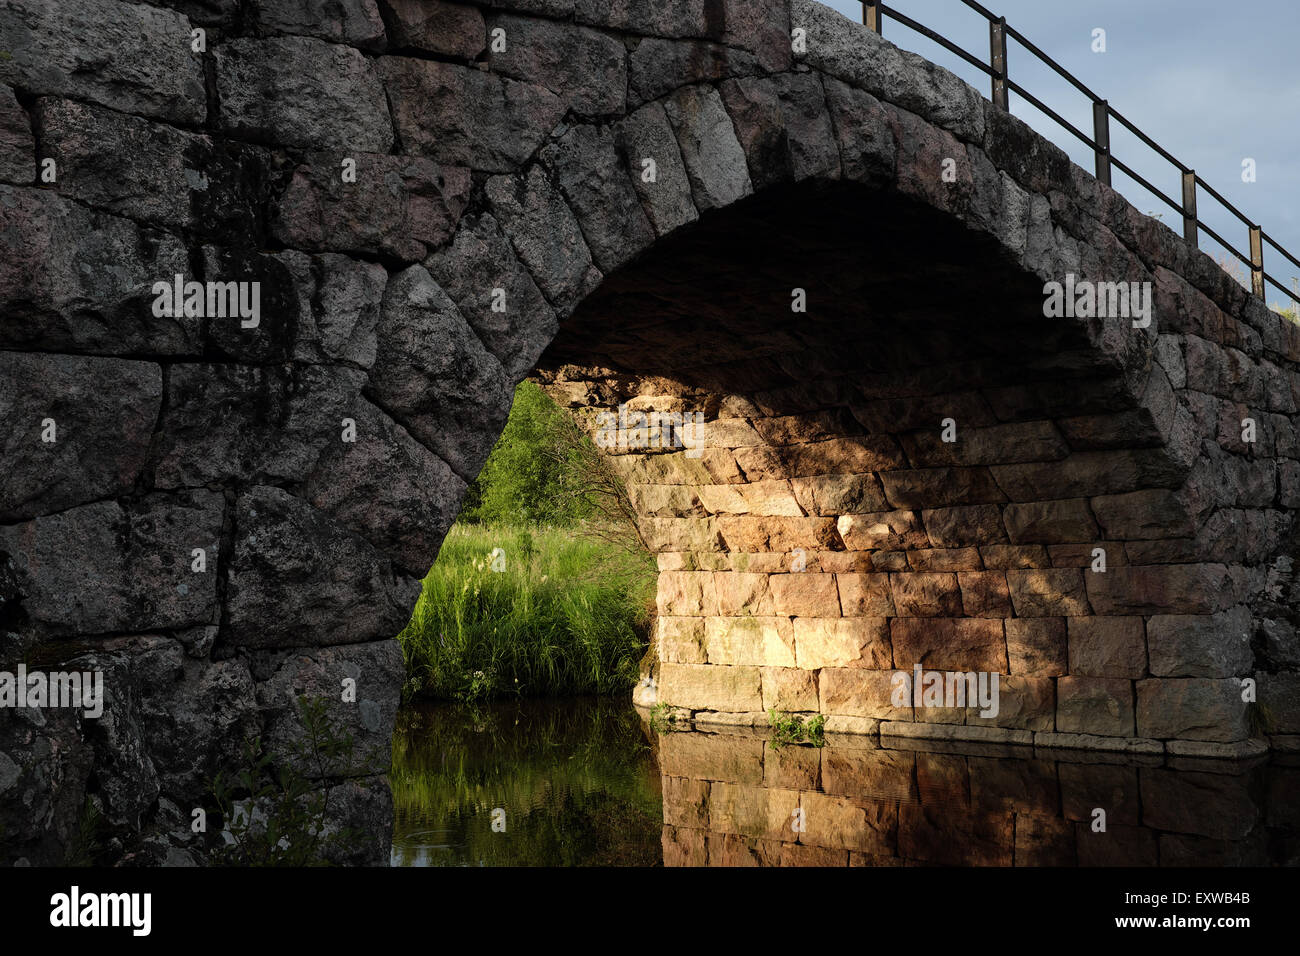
[[662, 720], [1260, 720], [569, 614]]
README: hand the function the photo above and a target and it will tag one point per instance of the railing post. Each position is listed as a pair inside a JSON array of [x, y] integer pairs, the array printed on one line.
[[873, 16], [1257, 260], [998, 60], [1190, 230], [1101, 136]]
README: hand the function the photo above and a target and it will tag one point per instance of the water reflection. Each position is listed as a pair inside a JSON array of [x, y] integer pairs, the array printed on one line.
[[586, 782], [733, 799], [573, 783]]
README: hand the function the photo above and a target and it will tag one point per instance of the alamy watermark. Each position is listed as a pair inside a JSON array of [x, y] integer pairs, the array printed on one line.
[[924, 688], [70, 689], [74, 909], [1084, 299], [635, 431], [214, 300]]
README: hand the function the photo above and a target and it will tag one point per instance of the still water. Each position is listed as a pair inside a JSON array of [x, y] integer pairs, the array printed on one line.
[[573, 782], [585, 782]]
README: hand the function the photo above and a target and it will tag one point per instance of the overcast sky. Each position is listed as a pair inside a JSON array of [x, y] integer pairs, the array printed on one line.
[[1213, 83]]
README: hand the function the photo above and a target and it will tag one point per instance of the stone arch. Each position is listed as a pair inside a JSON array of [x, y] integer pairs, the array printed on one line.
[[519, 178], [825, 536]]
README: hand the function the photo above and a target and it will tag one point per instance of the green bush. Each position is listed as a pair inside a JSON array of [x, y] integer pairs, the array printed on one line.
[[531, 474]]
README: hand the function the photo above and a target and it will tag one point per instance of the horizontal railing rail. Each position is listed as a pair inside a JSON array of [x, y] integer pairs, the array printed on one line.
[[874, 13]]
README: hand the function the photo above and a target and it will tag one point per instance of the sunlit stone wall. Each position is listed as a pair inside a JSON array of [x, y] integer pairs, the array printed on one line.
[[807, 560]]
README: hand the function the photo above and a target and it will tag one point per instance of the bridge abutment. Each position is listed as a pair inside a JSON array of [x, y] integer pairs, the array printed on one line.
[[625, 199]]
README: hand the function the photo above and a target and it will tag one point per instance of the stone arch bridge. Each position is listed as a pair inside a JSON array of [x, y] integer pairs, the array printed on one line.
[[730, 209]]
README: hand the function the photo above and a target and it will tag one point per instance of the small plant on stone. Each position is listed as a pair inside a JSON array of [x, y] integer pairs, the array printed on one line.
[[87, 843], [274, 814], [793, 729], [662, 719], [1259, 720]]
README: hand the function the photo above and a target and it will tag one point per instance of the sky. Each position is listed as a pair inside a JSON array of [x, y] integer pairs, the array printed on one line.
[[1213, 83]]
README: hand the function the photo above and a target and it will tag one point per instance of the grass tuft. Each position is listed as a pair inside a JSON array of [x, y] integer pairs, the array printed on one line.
[[516, 611], [793, 729]]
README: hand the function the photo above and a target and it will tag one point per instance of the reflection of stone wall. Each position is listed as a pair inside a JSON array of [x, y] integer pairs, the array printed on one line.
[[730, 800]]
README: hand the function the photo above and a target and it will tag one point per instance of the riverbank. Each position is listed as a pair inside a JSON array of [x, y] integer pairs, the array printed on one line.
[[527, 611]]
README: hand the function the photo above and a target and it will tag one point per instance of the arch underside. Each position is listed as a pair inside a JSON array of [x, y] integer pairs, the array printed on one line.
[[820, 535]]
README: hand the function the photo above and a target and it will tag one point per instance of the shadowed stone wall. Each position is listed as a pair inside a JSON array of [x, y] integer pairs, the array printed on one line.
[[436, 199]]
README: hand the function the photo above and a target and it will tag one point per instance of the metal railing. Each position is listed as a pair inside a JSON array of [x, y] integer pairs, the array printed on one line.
[[873, 15]]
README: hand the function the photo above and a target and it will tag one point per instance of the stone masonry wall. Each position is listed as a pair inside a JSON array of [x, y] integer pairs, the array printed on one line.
[[437, 198]]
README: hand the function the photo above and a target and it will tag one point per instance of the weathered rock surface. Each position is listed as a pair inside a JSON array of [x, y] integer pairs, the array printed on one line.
[[84, 429], [17, 147], [140, 60], [586, 68], [302, 92], [388, 488], [373, 671], [182, 181], [714, 160], [465, 117], [141, 556], [353, 22], [224, 420], [516, 323], [339, 302], [400, 206], [297, 579], [75, 280], [546, 236], [594, 182], [658, 173], [435, 26], [434, 377]]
